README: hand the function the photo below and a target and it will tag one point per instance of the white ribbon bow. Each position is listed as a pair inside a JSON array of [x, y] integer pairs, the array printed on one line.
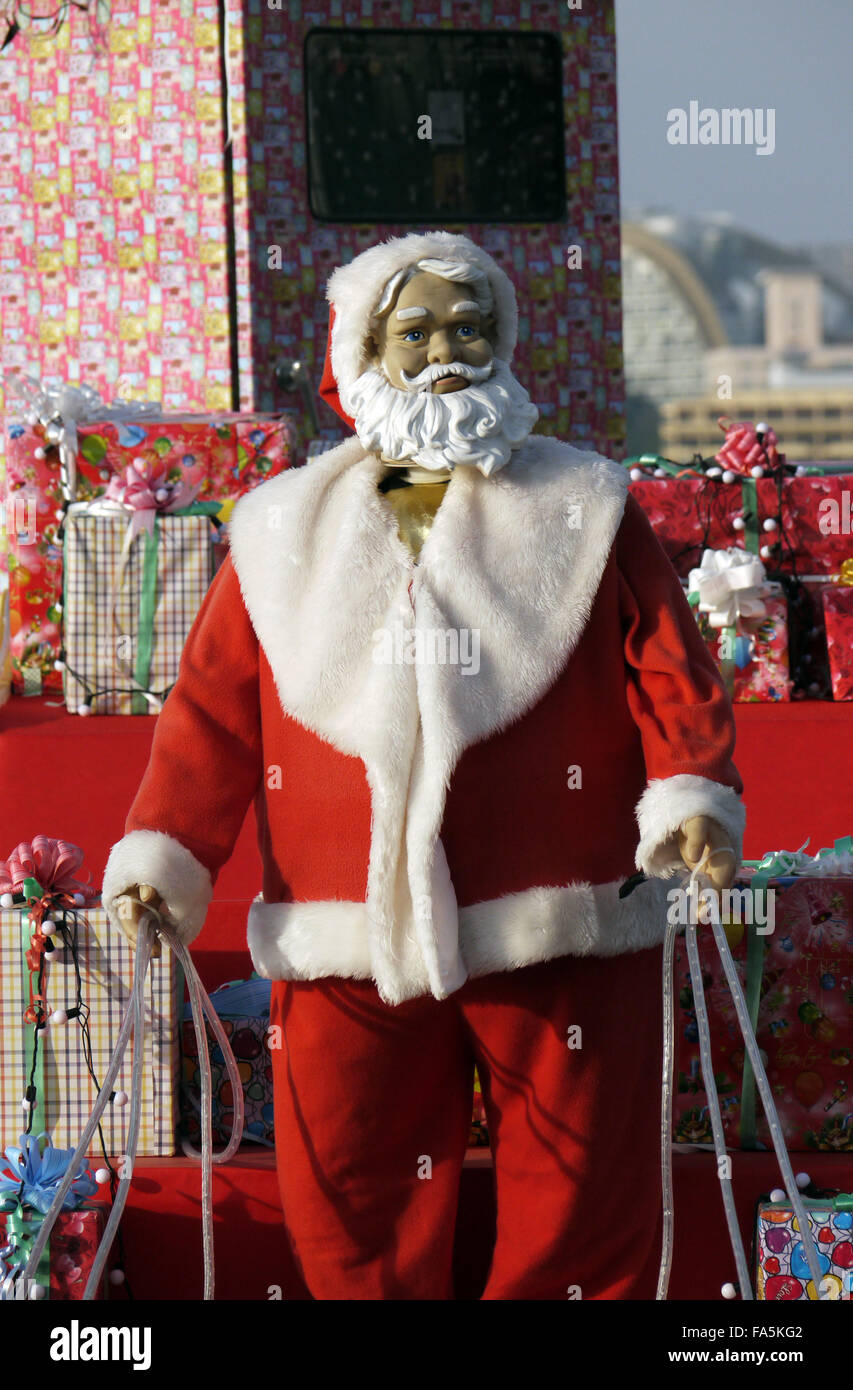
[[60, 409], [730, 584]]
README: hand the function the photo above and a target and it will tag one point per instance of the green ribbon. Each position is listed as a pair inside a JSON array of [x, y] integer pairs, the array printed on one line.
[[148, 599], [23, 1229], [728, 637], [666, 465], [776, 864], [749, 497], [39, 1120]]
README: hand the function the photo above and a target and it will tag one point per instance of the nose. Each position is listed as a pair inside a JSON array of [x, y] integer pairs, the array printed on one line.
[[440, 347]]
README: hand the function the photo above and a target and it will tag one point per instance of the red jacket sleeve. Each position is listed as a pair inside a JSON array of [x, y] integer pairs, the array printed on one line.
[[678, 701], [205, 765]]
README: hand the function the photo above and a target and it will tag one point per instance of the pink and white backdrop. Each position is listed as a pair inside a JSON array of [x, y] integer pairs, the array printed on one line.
[[117, 201]]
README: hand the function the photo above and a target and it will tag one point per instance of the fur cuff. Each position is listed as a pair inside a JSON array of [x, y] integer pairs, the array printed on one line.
[[149, 856], [669, 801]]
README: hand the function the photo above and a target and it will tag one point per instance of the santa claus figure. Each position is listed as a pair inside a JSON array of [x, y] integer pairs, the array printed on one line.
[[453, 669]]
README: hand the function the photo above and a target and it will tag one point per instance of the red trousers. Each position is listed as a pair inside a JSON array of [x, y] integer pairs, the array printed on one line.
[[372, 1111]]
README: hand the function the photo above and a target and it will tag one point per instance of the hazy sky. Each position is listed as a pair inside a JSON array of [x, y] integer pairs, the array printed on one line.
[[795, 56]]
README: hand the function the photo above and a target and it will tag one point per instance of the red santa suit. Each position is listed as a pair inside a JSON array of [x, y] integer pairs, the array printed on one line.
[[455, 763]]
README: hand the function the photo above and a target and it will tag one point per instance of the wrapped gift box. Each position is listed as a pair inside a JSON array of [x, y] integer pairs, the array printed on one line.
[[243, 1007], [71, 1249], [782, 1273], [226, 455], [838, 616], [690, 515], [757, 668], [805, 1023], [113, 637], [105, 960], [33, 503]]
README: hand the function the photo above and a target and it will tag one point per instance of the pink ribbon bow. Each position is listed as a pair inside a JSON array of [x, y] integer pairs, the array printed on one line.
[[143, 488], [53, 863], [742, 451]]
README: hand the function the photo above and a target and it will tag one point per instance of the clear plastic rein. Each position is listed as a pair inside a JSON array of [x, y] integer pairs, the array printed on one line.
[[134, 1020], [706, 1062]]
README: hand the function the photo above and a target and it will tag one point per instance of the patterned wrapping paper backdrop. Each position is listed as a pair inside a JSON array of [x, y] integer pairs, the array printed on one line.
[[113, 222], [570, 330], [106, 968], [114, 215]]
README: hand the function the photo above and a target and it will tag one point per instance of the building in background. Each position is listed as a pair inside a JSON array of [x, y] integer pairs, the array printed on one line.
[[718, 321]]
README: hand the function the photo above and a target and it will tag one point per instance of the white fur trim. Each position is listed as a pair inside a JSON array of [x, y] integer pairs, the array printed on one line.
[[355, 290], [322, 569], [669, 801], [149, 856], [308, 941]]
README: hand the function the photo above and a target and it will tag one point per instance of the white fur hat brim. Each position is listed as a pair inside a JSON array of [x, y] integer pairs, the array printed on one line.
[[354, 291]]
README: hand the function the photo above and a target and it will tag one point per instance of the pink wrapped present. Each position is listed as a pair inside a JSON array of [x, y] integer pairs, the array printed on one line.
[[804, 981], [838, 616]]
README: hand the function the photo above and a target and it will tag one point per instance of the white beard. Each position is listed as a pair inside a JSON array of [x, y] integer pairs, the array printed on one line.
[[479, 425]]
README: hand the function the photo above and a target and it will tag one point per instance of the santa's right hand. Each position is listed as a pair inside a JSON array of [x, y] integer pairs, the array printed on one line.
[[132, 906]]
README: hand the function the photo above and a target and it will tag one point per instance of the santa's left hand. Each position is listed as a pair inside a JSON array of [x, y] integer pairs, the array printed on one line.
[[698, 838]]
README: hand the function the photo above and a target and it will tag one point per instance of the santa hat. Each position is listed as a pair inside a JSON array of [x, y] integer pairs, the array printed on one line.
[[354, 291]]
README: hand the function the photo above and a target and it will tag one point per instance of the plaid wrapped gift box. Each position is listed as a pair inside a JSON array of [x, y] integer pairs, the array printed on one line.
[[125, 629], [782, 1274], [105, 961]]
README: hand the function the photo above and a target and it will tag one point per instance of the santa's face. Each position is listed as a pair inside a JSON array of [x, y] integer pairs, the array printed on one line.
[[435, 394], [435, 323]]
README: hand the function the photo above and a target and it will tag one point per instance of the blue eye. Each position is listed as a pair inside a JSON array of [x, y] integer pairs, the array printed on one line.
[[412, 335], [466, 328]]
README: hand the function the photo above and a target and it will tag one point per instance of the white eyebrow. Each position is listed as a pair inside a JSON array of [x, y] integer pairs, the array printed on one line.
[[415, 312], [466, 306]]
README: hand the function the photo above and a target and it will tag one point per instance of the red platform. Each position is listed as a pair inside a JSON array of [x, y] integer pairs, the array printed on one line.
[[75, 778], [253, 1257]]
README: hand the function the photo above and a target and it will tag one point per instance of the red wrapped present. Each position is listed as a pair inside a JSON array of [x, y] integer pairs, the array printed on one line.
[[838, 616], [691, 514], [71, 1249], [33, 505], [801, 974], [30, 1174]]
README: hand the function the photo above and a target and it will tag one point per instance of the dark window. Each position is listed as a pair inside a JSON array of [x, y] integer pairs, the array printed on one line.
[[497, 152]]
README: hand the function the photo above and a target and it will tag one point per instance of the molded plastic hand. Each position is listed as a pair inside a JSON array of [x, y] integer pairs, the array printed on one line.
[[697, 839], [130, 912]]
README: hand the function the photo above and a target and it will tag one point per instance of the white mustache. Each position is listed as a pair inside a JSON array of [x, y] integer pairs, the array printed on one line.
[[434, 371]]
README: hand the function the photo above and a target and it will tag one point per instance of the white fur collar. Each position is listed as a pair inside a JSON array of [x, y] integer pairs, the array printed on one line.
[[517, 557]]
